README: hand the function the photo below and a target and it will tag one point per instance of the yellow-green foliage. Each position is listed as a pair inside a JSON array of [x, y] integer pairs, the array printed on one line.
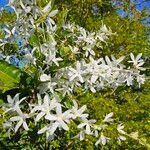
[[80, 11], [130, 105], [6, 17]]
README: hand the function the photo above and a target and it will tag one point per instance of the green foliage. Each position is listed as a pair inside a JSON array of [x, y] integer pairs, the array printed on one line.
[[6, 17], [131, 36], [130, 105], [9, 76], [80, 11]]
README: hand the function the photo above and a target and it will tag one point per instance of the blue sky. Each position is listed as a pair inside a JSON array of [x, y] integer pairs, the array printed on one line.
[[140, 6], [3, 3]]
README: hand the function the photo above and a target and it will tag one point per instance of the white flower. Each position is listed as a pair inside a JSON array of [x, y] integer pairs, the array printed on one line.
[[94, 63], [26, 9], [60, 119], [74, 49], [44, 108], [117, 62], [103, 33], [45, 77], [108, 117], [51, 26], [21, 120], [50, 47], [102, 140], [120, 128], [95, 133], [86, 36], [51, 57], [69, 26], [13, 103], [92, 89], [87, 124], [83, 34], [46, 130], [121, 138], [129, 79], [49, 136], [9, 33], [66, 88], [93, 67], [114, 64], [30, 58], [76, 73], [104, 28], [48, 84], [137, 61], [89, 50], [80, 135], [78, 112], [140, 79]]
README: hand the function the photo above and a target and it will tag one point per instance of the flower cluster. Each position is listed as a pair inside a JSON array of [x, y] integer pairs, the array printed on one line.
[[89, 73], [29, 20], [56, 116], [94, 75], [84, 41], [29, 16]]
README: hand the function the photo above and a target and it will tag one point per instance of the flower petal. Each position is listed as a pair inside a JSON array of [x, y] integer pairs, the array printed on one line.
[[39, 116], [88, 130], [42, 130], [16, 118], [54, 127], [18, 125], [25, 126], [63, 125], [50, 117]]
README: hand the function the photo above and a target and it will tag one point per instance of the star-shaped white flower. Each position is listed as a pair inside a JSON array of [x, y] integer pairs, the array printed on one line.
[[87, 124], [78, 112], [44, 108], [21, 118], [102, 140], [108, 117], [76, 73], [120, 128], [13, 103], [60, 119], [48, 84], [137, 61]]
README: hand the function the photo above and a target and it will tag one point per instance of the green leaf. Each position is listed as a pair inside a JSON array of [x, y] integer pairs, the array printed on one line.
[[34, 41], [9, 76], [64, 51]]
